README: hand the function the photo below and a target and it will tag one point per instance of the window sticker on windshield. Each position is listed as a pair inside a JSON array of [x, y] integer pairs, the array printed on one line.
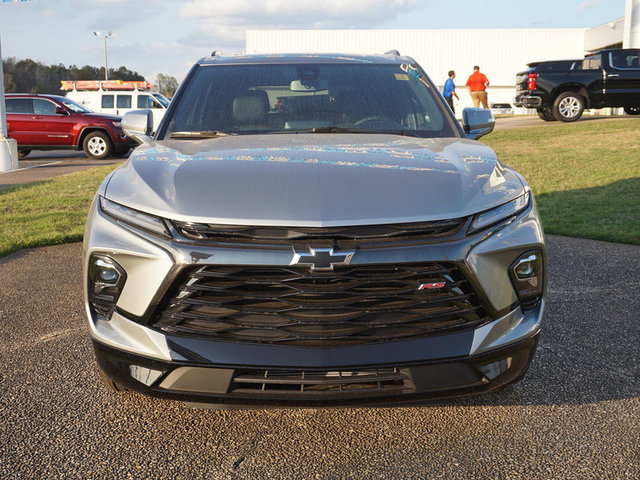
[[414, 72], [402, 76]]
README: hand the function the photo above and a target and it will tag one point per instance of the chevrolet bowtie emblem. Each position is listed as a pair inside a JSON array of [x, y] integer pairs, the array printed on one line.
[[322, 258]]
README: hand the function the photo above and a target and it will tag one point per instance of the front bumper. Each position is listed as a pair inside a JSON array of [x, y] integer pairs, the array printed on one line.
[[229, 386], [122, 143], [200, 370]]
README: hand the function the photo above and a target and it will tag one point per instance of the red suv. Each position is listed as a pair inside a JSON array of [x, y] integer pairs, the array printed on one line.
[[52, 122]]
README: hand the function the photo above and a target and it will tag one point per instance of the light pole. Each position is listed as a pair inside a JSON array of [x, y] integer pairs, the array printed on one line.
[[105, 35]]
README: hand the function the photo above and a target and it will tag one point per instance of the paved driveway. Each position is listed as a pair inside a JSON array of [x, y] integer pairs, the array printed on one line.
[[42, 165], [575, 416]]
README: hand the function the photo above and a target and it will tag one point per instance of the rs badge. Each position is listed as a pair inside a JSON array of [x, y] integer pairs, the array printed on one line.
[[431, 285]]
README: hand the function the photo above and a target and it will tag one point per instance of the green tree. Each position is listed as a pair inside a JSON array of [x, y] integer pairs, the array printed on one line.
[[25, 76], [123, 73]]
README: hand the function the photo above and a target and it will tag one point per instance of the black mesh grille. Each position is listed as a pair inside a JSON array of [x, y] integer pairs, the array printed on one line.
[[321, 383], [296, 306], [285, 235]]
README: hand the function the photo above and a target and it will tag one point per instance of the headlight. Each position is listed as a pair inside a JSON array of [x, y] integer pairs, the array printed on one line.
[[135, 218], [500, 213]]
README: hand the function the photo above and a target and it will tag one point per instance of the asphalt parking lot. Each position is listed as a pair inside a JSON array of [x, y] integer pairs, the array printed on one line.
[[575, 416], [42, 165]]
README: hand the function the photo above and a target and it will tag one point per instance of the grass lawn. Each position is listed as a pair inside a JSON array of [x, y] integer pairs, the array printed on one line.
[[586, 178], [585, 175], [48, 212]]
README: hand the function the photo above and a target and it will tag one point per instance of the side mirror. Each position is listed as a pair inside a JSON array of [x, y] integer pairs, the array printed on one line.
[[138, 125], [61, 111], [477, 122]]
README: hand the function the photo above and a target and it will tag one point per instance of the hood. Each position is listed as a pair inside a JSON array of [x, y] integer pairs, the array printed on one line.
[[112, 118], [313, 179]]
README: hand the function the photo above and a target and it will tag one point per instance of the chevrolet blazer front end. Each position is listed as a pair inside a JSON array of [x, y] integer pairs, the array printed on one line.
[[377, 260]]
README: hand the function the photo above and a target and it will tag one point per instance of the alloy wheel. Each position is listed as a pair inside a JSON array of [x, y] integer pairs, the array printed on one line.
[[97, 146], [569, 107]]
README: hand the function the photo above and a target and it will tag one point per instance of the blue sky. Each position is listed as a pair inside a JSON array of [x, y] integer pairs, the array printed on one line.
[[168, 36]]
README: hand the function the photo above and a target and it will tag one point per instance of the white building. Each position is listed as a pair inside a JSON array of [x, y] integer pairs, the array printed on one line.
[[500, 53]]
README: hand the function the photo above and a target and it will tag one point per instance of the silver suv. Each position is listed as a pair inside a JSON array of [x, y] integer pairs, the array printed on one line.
[[312, 230]]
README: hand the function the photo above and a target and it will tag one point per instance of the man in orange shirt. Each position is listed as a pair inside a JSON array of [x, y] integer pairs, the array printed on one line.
[[478, 83]]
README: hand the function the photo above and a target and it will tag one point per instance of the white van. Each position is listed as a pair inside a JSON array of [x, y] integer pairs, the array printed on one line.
[[116, 98]]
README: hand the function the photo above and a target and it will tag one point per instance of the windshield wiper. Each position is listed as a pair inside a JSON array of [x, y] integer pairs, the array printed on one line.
[[336, 130], [205, 134], [408, 133]]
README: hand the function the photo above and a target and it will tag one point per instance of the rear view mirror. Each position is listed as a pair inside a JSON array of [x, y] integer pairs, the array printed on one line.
[[61, 111], [477, 122], [138, 125], [308, 85]]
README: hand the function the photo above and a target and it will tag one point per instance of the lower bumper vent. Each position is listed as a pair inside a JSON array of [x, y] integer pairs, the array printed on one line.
[[387, 381]]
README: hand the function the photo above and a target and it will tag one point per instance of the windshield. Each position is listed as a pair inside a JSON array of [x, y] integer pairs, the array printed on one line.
[[73, 106], [162, 99], [290, 98]]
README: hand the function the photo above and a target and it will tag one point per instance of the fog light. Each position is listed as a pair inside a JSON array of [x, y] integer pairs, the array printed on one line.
[[524, 268], [105, 282], [105, 272], [527, 276]]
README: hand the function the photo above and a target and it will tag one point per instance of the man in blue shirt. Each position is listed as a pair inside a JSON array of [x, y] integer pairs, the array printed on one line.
[[450, 90]]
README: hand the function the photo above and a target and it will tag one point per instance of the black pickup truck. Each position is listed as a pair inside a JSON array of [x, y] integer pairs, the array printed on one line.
[[563, 89]]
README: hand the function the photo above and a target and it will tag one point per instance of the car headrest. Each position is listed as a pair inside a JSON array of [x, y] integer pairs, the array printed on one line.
[[251, 108]]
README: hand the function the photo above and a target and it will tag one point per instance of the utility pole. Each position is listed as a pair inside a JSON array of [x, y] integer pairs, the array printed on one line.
[[105, 35]]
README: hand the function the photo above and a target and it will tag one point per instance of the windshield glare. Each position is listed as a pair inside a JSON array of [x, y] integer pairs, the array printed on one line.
[[162, 99], [300, 97], [73, 106]]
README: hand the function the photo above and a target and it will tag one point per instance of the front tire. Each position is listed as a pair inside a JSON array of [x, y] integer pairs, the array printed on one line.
[[97, 145], [546, 114], [632, 110], [568, 107]]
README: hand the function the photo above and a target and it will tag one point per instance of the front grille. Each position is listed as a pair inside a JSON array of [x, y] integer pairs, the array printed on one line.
[[293, 305], [285, 235], [322, 383]]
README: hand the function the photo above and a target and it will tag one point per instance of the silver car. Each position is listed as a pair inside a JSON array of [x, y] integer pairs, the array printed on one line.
[[312, 230]]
